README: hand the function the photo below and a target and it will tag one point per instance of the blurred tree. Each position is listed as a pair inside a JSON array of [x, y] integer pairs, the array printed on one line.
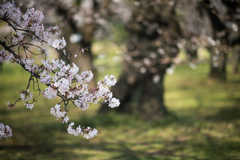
[[214, 24], [235, 59], [156, 31], [233, 25], [151, 49]]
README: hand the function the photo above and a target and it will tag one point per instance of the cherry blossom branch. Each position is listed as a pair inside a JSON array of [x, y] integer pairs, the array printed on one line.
[[62, 80]]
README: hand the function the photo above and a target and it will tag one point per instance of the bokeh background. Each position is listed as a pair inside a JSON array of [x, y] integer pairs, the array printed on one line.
[[176, 62]]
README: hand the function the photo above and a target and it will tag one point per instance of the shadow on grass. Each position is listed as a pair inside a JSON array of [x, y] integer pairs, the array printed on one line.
[[110, 119], [125, 151], [50, 141], [32, 141], [226, 114], [114, 119], [104, 150]]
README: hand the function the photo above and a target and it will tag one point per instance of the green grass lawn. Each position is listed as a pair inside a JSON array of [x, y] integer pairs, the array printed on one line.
[[203, 123]]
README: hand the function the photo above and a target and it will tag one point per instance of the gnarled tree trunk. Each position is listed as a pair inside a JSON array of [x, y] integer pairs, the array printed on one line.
[[152, 47], [218, 64]]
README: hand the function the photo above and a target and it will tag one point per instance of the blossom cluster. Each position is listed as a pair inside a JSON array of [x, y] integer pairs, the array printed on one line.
[[57, 112], [86, 132], [109, 80], [69, 83], [26, 95], [73, 86], [5, 131], [30, 22], [62, 80], [4, 56]]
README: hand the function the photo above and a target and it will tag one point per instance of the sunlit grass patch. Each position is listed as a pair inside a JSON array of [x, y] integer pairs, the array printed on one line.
[[108, 58]]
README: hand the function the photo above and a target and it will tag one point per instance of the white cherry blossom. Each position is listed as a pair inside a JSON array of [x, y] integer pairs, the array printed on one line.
[[61, 79]]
